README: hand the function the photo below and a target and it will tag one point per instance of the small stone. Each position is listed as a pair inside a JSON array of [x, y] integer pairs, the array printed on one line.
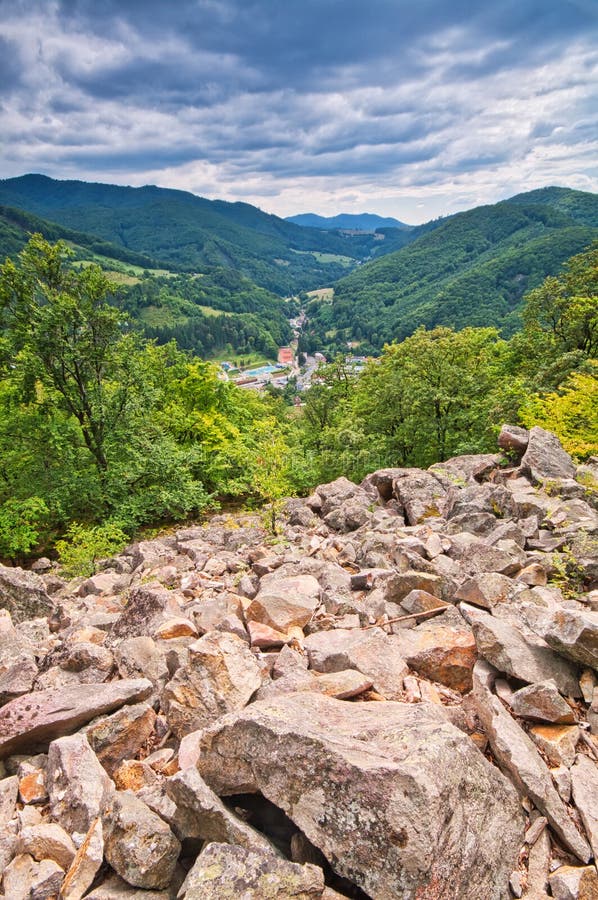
[[343, 685], [175, 628], [557, 742], [588, 681], [574, 883], [134, 774], [516, 884], [32, 787], [9, 788], [562, 779], [532, 575]]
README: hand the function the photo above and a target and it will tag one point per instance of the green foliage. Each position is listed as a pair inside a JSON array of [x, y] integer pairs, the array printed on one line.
[[83, 545], [436, 394], [21, 523], [570, 412]]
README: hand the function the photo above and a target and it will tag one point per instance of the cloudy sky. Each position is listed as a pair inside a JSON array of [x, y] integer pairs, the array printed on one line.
[[412, 108]]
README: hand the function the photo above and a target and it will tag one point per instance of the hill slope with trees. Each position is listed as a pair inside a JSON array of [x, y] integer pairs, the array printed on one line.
[[472, 269], [189, 233]]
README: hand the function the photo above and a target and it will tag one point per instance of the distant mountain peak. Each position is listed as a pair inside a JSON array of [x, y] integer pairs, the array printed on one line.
[[346, 221]]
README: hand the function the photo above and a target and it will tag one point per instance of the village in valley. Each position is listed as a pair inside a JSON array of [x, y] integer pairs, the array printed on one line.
[[291, 365]]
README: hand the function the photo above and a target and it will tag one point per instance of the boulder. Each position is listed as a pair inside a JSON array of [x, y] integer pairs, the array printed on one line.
[[387, 773], [47, 841], [138, 844], [85, 865], [373, 653], [542, 702], [121, 735], [201, 814], [38, 718], [571, 632], [557, 743], [574, 883], [584, 782], [23, 594], [545, 458], [442, 652], [223, 870], [421, 495], [513, 439], [283, 603], [221, 675], [78, 786], [505, 648]]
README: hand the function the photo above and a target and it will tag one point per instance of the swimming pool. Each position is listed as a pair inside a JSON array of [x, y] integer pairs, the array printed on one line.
[[263, 370]]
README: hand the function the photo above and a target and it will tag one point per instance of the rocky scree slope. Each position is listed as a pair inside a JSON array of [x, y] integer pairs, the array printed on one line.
[[398, 699]]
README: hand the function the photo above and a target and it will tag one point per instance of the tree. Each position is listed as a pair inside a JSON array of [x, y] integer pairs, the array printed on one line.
[[64, 335]]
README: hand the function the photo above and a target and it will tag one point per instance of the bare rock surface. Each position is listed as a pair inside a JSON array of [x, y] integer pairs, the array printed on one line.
[[339, 770], [221, 675], [217, 712], [39, 717]]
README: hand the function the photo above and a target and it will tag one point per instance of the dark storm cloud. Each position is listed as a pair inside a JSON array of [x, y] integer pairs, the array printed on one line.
[[266, 95]]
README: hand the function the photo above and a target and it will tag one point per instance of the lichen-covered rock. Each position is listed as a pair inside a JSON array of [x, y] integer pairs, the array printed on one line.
[[545, 458], [138, 844], [23, 594], [78, 786], [220, 676], [387, 774], [222, 870]]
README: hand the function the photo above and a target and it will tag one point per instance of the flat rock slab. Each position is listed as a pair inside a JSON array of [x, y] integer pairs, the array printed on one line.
[[398, 799], [516, 753], [40, 717]]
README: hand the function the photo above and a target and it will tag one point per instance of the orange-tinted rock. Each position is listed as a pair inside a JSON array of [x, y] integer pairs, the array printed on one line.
[[32, 787], [446, 654]]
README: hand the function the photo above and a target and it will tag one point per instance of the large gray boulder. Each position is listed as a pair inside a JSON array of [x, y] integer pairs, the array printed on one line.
[[23, 594], [398, 799], [545, 458], [221, 675]]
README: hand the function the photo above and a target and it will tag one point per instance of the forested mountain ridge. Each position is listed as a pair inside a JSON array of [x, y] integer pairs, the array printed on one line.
[[472, 269], [188, 232], [363, 221]]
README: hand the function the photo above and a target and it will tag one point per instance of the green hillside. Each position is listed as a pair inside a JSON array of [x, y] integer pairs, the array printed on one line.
[[16, 226], [189, 233], [206, 313], [471, 269]]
